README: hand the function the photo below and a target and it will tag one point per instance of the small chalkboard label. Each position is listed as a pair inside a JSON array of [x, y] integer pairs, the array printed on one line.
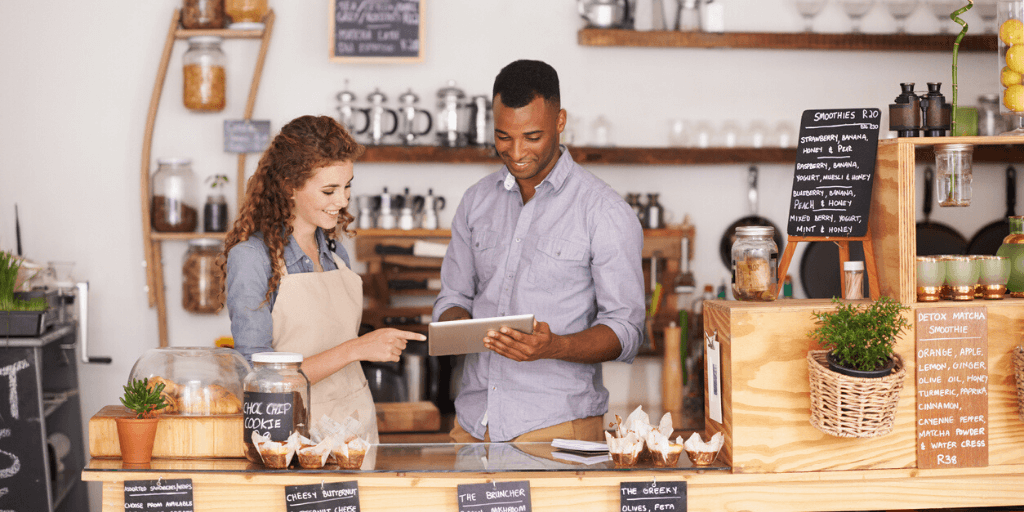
[[952, 387], [495, 497], [652, 496], [246, 136], [333, 497], [158, 495], [270, 414], [383, 30], [835, 168]]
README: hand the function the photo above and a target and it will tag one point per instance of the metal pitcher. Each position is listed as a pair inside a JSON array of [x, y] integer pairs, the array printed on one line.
[[604, 13]]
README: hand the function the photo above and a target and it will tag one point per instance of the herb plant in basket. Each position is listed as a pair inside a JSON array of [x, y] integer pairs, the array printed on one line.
[[137, 432], [861, 340]]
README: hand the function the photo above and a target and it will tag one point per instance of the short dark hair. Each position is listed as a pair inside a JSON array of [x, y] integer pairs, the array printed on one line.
[[523, 80]]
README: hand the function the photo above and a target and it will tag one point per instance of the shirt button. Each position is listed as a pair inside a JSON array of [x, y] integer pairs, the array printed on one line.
[[517, 239]]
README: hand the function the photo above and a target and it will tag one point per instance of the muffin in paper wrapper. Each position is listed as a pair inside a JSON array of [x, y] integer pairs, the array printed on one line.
[[275, 454], [701, 453], [314, 456], [638, 423], [349, 455], [624, 451], [664, 453]]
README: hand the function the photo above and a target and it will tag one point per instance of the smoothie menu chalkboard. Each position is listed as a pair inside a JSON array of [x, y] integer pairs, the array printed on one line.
[[377, 29], [835, 168]]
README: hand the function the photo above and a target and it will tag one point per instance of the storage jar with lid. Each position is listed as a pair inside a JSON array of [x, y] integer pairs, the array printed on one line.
[[276, 399], [202, 286], [174, 207], [1010, 17], [754, 261], [202, 13], [198, 381], [246, 14], [204, 75]]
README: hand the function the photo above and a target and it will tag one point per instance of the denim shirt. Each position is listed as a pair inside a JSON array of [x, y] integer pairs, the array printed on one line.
[[248, 276], [572, 257]]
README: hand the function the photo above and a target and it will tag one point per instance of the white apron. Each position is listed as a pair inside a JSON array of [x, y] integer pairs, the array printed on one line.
[[314, 312]]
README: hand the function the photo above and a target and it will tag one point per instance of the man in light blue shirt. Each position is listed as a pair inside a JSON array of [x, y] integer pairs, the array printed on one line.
[[542, 236]]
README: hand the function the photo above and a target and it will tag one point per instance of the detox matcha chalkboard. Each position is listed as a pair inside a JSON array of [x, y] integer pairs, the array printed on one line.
[[835, 169], [381, 30]]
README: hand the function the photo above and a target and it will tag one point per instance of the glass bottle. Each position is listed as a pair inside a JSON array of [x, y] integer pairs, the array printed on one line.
[[1013, 249], [276, 399], [1010, 17], [202, 13], [204, 75], [173, 206], [754, 261], [215, 214], [246, 14], [202, 286]]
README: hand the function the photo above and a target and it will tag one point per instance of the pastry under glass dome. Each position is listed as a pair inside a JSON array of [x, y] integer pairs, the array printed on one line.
[[199, 381]]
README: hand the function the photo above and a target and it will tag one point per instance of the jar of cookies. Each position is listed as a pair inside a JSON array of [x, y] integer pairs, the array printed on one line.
[[204, 75], [174, 207], [754, 260], [275, 400], [202, 289], [202, 13]]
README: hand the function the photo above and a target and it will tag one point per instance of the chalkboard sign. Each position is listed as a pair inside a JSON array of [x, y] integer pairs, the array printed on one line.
[[158, 495], [335, 497], [952, 387], [270, 414], [495, 497], [652, 496], [377, 30], [246, 136], [23, 473], [835, 168]]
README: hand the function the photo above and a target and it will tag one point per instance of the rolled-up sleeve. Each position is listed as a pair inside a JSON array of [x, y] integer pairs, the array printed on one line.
[[248, 275], [618, 274], [458, 279]]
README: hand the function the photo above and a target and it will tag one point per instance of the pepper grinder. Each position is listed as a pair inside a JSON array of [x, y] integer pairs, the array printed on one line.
[[905, 114], [937, 113]]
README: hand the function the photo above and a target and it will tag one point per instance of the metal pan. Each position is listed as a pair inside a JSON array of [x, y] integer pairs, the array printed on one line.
[[725, 246], [934, 238], [988, 239]]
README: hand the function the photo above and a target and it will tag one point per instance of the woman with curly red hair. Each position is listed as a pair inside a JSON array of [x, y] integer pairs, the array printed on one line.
[[289, 285]]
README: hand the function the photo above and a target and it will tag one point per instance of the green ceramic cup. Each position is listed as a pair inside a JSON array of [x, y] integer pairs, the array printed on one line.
[[931, 274], [995, 270]]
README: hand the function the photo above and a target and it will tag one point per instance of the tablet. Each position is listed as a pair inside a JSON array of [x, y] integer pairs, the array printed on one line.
[[467, 336]]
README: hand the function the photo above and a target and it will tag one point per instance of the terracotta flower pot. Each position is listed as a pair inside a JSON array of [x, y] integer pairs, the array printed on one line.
[[136, 439]]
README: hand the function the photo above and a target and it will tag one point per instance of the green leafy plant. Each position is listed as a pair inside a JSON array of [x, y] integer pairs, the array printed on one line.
[[217, 180], [142, 400], [9, 266], [862, 338]]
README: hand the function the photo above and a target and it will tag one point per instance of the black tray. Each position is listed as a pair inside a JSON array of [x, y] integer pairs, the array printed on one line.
[[22, 323]]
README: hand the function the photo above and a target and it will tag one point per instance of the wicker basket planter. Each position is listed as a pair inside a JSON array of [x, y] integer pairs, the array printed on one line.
[[1018, 371], [844, 406]]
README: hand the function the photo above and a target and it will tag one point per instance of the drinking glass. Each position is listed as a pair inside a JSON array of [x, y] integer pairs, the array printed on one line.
[[900, 10], [855, 10], [942, 9], [809, 9]]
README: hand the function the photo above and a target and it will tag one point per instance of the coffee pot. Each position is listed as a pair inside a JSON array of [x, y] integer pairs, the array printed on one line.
[[375, 117], [347, 111], [410, 208], [452, 116], [367, 206], [604, 13], [387, 206], [407, 113], [431, 205], [481, 128]]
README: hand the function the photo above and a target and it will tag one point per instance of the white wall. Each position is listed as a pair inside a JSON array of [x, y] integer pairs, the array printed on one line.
[[77, 78]]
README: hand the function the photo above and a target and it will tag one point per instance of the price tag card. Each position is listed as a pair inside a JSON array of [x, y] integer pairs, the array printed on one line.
[[652, 496], [333, 497], [952, 387], [495, 497], [246, 136], [713, 375], [158, 495]]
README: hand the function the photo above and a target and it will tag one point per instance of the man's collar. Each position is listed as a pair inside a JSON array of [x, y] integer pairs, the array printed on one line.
[[559, 173]]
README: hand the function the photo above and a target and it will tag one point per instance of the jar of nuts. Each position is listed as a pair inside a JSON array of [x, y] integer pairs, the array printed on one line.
[[202, 13], [754, 261], [202, 289], [246, 14], [174, 207], [204, 74]]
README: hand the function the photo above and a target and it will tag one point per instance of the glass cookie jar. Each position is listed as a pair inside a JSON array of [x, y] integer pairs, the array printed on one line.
[[754, 264], [276, 399]]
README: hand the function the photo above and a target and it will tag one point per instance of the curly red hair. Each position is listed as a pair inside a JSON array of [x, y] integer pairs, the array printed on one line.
[[304, 144]]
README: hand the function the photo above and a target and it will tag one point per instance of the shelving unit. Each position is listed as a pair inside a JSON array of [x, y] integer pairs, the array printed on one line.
[[152, 240], [785, 40]]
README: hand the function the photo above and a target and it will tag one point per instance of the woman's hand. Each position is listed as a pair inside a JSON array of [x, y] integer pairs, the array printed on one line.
[[384, 344]]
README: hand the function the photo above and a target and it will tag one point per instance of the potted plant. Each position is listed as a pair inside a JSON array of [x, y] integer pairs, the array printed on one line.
[[17, 317], [861, 341], [855, 381], [136, 433]]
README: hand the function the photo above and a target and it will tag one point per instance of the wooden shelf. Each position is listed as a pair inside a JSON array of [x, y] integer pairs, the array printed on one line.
[[587, 155], [226, 33], [186, 236], [785, 40]]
